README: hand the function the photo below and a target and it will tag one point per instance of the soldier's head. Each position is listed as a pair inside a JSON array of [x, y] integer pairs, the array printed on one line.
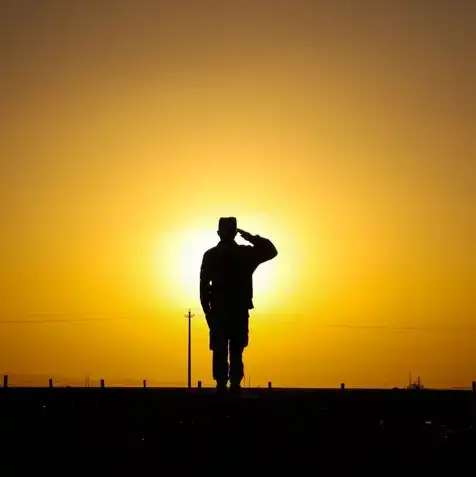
[[227, 228]]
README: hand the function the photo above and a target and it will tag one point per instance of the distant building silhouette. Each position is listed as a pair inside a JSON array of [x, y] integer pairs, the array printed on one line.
[[415, 385]]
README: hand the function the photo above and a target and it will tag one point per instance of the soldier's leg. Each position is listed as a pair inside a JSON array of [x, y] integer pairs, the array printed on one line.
[[219, 347], [238, 343], [236, 364]]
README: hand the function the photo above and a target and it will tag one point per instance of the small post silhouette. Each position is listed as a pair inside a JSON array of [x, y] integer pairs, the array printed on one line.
[[144, 383], [189, 315], [474, 386], [50, 382], [5, 381], [270, 384], [342, 386], [199, 385], [102, 383]]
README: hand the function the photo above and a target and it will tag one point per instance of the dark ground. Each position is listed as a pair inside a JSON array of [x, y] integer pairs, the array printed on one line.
[[279, 431]]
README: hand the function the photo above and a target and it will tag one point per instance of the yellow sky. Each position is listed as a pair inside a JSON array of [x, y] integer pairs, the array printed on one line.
[[343, 133]]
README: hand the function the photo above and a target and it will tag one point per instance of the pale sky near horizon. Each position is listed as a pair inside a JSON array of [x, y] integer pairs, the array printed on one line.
[[344, 131]]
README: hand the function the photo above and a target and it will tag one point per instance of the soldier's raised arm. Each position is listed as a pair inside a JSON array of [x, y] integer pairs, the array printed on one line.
[[263, 249]]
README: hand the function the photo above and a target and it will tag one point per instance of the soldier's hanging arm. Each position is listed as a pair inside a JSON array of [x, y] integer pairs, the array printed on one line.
[[263, 248], [205, 285]]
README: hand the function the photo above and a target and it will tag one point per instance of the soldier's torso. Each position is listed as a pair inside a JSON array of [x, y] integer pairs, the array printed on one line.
[[231, 274]]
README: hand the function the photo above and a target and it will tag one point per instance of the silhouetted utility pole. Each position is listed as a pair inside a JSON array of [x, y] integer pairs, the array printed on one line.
[[189, 315]]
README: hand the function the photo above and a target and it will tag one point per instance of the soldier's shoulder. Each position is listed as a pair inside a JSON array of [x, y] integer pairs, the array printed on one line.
[[210, 251]]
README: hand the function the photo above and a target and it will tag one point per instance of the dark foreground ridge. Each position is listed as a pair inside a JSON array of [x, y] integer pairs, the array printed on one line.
[[278, 430]]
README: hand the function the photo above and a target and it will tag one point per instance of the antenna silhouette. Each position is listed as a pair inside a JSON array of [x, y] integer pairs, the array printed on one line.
[[189, 315]]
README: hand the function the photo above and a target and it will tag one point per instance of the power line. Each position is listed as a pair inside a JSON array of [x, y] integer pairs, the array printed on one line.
[[85, 320], [400, 328], [58, 320], [384, 327]]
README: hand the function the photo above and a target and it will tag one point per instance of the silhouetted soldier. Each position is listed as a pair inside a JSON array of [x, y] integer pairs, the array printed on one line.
[[226, 295]]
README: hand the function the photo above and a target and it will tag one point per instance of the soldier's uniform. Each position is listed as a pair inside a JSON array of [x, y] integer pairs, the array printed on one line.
[[226, 291]]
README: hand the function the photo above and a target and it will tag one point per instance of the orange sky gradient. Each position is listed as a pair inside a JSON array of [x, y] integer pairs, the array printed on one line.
[[343, 131]]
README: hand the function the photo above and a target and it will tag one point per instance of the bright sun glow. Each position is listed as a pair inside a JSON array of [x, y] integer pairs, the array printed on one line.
[[180, 265]]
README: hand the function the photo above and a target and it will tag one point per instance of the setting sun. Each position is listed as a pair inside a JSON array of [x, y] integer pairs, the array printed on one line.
[[179, 257]]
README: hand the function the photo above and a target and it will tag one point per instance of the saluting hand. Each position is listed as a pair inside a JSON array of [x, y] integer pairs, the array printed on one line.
[[246, 235]]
